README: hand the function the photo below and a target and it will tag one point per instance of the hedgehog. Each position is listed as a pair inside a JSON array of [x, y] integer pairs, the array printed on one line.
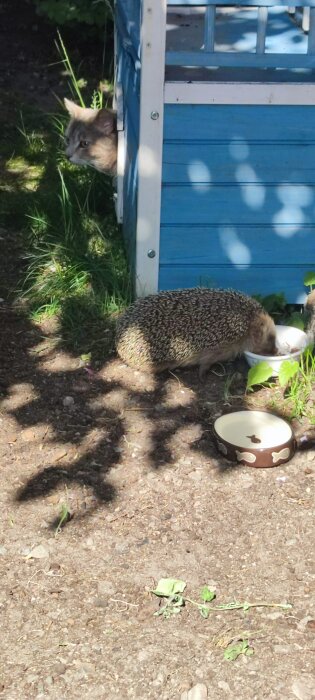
[[197, 326]]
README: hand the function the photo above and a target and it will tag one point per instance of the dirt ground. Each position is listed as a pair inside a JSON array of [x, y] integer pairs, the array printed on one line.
[[132, 460]]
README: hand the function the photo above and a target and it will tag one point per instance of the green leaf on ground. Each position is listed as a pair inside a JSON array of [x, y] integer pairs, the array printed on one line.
[[168, 587], [233, 651], [207, 595], [259, 374], [288, 369]]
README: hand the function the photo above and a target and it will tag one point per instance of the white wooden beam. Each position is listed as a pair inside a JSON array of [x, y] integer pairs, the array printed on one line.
[[240, 93], [153, 32]]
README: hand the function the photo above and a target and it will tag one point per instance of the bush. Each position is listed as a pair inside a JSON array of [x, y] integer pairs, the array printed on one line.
[[63, 12]]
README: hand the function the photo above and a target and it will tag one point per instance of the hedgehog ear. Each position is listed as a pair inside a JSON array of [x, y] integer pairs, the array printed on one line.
[[107, 121]]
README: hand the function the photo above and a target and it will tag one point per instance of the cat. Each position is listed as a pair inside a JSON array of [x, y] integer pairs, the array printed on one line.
[[91, 137]]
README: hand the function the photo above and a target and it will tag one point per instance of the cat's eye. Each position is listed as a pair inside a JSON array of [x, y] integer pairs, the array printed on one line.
[[83, 144]]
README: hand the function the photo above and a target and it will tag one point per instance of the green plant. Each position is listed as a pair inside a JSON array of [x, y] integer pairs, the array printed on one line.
[[63, 518], [61, 12], [297, 378], [309, 279], [173, 589], [283, 313], [233, 651], [75, 264], [300, 388], [75, 84]]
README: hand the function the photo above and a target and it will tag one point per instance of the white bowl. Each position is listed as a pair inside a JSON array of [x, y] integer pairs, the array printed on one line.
[[287, 337]]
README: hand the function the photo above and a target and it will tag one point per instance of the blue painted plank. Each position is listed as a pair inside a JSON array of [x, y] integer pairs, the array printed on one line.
[[209, 29], [245, 3], [237, 245], [261, 279], [127, 22], [311, 33], [238, 162], [130, 78], [238, 59], [261, 29], [243, 204], [238, 123]]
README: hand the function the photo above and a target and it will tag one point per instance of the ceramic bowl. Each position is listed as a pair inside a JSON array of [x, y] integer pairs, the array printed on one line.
[[287, 337], [254, 438]]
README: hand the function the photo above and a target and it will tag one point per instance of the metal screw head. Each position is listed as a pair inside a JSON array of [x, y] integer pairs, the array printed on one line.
[[151, 253], [154, 115]]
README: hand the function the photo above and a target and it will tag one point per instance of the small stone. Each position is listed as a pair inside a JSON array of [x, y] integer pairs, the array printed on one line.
[[198, 692], [68, 401], [58, 669], [28, 435], [85, 666], [3, 551], [101, 603], [274, 615], [301, 626], [223, 685], [39, 552], [105, 588], [54, 567], [304, 688], [144, 655], [159, 680], [199, 673], [280, 649]]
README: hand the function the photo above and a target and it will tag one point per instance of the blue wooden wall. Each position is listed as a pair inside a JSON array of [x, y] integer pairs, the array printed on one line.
[[128, 76], [238, 197]]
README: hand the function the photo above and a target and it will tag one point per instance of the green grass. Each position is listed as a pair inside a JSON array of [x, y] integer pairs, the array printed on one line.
[[75, 265], [300, 391]]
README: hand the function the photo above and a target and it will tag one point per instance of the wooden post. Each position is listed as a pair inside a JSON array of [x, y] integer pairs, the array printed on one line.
[[153, 32]]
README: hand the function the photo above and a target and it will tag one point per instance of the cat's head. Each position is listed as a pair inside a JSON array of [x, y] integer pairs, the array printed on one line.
[[91, 137]]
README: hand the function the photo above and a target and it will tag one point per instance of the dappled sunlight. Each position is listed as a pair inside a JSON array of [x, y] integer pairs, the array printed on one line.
[[20, 395], [178, 395], [237, 252], [254, 197], [291, 214], [298, 195], [198, 171], [20, 175], [84, 421], [239, 149], [294, 199]]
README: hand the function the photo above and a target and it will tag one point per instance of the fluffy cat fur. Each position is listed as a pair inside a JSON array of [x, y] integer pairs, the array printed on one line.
[[91, 137]]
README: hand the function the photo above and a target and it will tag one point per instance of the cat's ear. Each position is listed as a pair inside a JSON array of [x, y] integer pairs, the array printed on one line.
[[107, 121], [77, 112], [72, 108]]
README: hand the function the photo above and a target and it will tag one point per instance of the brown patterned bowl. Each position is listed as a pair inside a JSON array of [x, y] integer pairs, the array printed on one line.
[[254, 438]]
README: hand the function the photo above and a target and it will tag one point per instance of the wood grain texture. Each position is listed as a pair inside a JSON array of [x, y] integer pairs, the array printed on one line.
[[261, 279]]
